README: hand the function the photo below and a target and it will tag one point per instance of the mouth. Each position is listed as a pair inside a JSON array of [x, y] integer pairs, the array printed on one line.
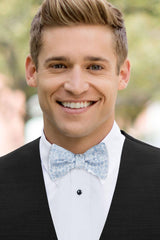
[[76, 105]]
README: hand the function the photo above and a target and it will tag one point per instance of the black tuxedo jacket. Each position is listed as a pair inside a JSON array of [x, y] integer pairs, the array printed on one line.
[[134, 213]]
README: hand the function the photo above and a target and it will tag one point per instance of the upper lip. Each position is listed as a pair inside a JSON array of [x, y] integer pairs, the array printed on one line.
[[77, 101]]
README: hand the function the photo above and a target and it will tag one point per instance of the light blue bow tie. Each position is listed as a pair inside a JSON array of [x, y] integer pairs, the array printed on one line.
[[61, 161]]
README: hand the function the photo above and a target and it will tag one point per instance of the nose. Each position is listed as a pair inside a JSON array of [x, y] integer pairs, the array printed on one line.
[[75, 82]]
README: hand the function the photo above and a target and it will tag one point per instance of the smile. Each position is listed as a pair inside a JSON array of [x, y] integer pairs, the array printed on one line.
[[76, 105]]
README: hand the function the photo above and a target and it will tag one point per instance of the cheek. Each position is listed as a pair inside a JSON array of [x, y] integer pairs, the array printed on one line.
[[44, 93], [46, 87], [107, 88]]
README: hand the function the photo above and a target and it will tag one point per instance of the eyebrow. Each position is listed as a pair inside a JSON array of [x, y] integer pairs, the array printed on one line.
[[56, 58], [88, 58], [96, 59]]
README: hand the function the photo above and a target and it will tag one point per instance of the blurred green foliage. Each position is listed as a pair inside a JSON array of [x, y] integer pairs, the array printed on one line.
[[15, 20], [143, 30]]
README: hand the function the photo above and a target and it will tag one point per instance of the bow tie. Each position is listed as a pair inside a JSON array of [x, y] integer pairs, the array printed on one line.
[[61, 161]]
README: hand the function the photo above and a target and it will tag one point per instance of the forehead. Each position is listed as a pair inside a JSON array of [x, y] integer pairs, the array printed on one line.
[[81, 40]]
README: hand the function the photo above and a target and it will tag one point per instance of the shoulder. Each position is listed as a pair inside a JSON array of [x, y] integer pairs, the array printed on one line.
[[20, 155], [140, 148], [140, 163]]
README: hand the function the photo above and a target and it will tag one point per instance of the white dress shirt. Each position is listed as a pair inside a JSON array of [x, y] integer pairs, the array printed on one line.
[[82, 216]]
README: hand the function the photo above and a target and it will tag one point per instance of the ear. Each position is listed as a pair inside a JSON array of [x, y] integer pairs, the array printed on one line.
[[124, 75], [31, 74]]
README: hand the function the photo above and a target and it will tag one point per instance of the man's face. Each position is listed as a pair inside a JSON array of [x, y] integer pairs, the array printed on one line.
[[77, 82]]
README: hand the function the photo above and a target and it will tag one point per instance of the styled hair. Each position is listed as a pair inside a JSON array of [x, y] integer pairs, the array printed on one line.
[[73, 12]]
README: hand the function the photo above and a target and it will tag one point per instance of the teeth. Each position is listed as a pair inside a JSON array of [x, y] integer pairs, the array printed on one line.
[[76, 105]]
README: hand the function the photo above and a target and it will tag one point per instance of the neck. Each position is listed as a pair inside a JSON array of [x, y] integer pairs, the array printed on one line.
[[78, 145]]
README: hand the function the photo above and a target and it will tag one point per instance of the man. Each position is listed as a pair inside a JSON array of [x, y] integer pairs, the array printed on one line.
[[83, 179]]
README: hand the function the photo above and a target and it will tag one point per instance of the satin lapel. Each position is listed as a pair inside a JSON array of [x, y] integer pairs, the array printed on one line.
[[113, 227], [37, 188], [135, 212]]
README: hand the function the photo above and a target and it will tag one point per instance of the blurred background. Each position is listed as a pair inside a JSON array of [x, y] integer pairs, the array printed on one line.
[[138, 107]]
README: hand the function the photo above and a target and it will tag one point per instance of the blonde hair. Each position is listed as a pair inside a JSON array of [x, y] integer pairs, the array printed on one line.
[[72, 12]]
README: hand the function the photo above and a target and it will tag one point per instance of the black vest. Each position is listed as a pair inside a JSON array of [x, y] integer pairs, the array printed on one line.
[[134, 213]]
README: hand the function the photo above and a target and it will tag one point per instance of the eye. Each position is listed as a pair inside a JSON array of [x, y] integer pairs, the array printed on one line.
[[57, 66], [95, 67]]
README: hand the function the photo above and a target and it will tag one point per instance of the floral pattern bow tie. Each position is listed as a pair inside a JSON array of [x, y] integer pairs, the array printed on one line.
[[61, 161]]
